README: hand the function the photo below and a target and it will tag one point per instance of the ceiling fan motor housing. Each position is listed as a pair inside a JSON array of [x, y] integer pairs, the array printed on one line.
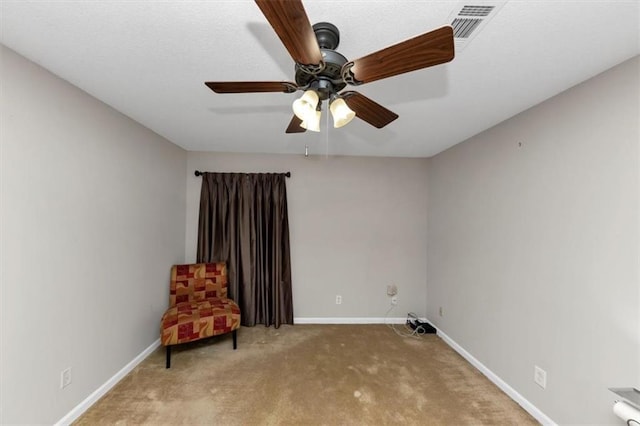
[[329, 80], [327, 34]]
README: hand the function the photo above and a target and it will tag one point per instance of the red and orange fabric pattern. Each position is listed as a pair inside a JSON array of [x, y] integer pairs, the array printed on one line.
[[199, 306]]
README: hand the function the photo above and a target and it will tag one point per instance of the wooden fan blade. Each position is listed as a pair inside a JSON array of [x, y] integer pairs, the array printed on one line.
[[294, 126], [251, 86], [368, 110], [289, 20], [426, 50]]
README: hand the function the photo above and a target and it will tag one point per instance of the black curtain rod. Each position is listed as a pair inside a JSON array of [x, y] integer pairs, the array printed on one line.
[[198, 173]]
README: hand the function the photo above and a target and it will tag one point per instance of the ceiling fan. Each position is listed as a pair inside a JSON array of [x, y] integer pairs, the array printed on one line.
[[321, 72]]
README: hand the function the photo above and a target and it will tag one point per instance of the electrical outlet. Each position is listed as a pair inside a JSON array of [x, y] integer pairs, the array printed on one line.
[[394, 300], [540, 377], [392, 290], [65, 378], [440, 311], [338, 300]]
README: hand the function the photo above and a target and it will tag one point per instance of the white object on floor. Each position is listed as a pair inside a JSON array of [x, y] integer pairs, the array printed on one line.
[[626, 412]]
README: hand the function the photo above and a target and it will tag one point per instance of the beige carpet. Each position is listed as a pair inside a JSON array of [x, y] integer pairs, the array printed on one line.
[[308, 375]]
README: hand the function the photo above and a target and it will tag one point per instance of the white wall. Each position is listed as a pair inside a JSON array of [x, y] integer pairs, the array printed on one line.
[[356, 225], [92, 208], [533, 249]]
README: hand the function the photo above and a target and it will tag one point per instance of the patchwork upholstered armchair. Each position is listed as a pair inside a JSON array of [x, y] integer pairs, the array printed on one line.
[[198, 306]]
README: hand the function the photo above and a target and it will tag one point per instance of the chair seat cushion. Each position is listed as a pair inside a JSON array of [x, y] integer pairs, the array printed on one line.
[[189, 321]]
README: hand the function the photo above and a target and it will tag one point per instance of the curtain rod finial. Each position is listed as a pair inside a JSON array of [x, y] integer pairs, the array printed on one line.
[[198, 173]]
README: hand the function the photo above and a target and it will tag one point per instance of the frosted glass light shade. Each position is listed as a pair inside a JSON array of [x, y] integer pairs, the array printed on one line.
[[341, 113], [312, 122], [305, 105]]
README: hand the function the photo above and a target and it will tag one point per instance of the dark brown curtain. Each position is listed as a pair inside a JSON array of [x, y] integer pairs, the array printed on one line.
[[243, 221]]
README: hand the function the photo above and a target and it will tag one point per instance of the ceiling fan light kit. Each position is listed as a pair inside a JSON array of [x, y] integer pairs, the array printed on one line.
[[312, 121], [322, 72], [340, 112], [306, 104], [308, 109]]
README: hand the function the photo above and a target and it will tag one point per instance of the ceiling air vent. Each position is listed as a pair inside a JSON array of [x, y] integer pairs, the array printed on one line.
[[468, 19], [475, 10], [463, 27]]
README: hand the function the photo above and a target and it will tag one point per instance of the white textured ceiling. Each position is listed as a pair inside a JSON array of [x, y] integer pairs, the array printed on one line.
[[149, 60]]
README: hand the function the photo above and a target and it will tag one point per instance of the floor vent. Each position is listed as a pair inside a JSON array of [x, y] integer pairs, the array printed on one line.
[[467, 20]]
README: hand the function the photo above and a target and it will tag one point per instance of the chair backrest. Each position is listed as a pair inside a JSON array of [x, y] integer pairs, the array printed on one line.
[[197, 281]]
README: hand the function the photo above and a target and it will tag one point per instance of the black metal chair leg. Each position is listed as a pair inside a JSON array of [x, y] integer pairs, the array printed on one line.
[[168, 356], [235, 339]]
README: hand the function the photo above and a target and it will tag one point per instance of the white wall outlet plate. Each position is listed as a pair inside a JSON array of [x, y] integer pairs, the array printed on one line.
[[392, 290], [65, 378], [540, 377]]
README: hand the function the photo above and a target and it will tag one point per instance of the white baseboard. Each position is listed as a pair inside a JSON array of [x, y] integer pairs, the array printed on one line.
[[106, 387], [350, 320], [513, 394]]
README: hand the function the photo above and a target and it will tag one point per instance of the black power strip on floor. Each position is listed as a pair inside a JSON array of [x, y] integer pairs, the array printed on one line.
[[420, 327]]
